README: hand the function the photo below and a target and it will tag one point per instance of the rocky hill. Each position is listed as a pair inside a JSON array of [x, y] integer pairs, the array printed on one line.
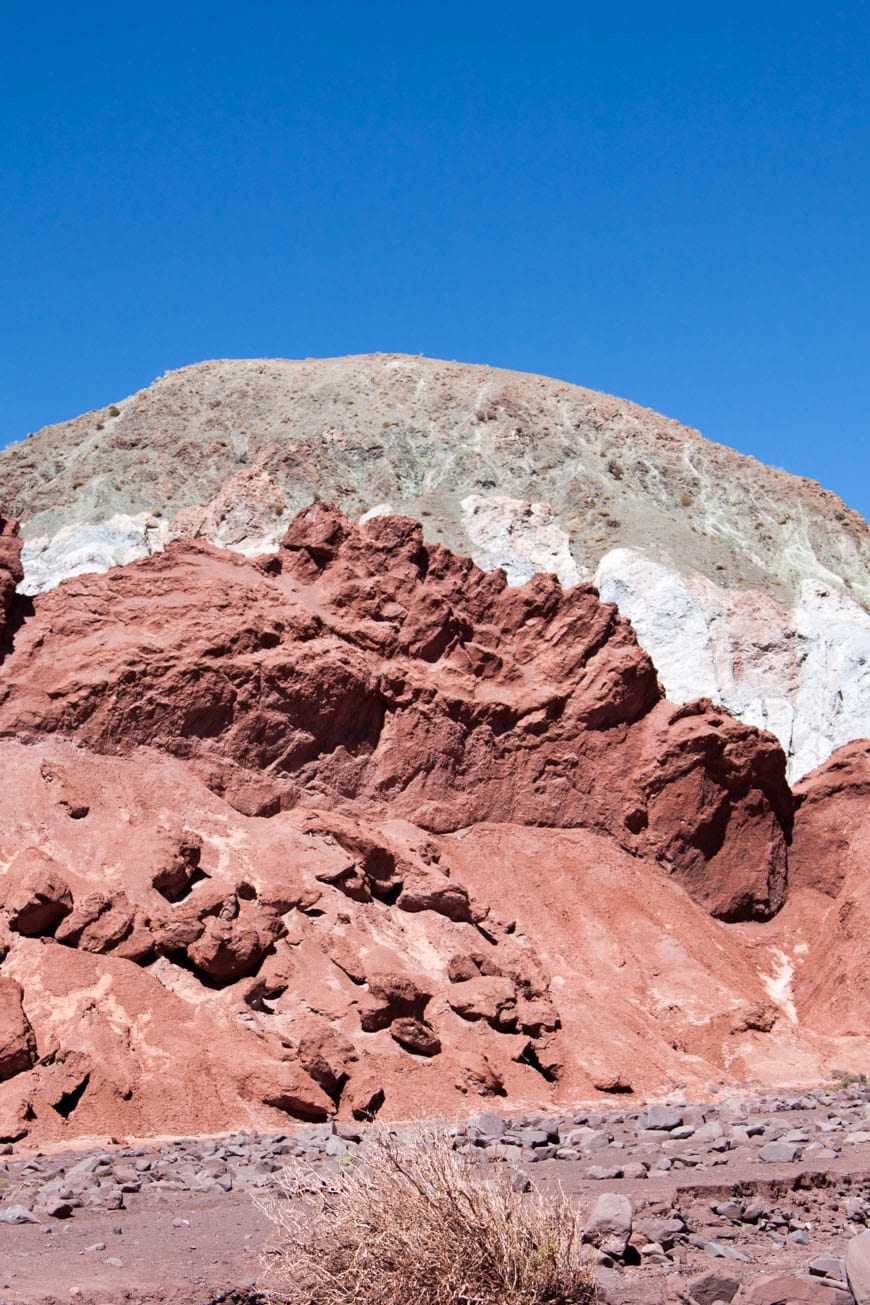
[[355, 827], [745, 585]]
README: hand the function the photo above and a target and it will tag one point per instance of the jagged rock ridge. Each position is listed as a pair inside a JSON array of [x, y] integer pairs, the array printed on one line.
[[746, 585]]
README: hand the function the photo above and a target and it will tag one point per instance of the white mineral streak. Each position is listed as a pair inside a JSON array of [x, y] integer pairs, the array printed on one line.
[[832, 705], [84, 547], [521, 538], [379, 510], [803, 674]]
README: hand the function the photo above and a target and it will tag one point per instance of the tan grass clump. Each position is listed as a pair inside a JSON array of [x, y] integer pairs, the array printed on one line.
[[417, 1223]]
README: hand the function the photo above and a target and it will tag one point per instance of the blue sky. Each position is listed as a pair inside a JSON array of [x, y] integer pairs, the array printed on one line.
[[667, 202]]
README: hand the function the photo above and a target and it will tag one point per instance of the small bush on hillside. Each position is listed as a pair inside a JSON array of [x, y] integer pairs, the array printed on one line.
[[420, 1224], [850, 1080]]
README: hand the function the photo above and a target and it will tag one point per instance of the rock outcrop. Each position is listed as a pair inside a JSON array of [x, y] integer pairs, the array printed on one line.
[[747, 586], [361, 665], [11, 570], [356, 826]]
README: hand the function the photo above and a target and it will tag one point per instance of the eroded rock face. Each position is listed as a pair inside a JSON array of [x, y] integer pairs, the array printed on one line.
[[358, 826], [828, 867], [363, 664], [11, 570], [17, 1043]]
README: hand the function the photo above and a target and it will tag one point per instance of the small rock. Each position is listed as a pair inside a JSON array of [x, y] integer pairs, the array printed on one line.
[[828, 1266], [779, 1153], [609, 1223], [17, 1214], [661, 1118], [707, 1288]]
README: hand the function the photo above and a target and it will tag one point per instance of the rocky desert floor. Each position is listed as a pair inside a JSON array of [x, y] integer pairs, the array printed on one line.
[[720, 1201]]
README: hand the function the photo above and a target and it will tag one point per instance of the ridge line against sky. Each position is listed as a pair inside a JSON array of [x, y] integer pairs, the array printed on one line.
[[665, 205]]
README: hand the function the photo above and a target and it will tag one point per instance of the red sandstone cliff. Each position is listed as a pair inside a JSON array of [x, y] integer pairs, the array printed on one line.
[[359, 824]]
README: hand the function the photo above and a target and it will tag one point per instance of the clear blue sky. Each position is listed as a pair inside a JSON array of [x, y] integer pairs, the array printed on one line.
[[669, 202]]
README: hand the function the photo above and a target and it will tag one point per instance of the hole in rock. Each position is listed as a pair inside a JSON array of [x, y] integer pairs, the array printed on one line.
[[176, 889], [484, 933], [180, 958], [68, 1102], [530, 1057], [261, 995], [386, 893]]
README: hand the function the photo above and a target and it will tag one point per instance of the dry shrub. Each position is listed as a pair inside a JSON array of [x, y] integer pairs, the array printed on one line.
[[417, 1223]]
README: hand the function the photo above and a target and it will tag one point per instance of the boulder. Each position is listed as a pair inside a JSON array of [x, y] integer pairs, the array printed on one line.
[[174, 875], [429, 890], [711, 1286], [492, 999], [790, 1289], [609, 1223], [326, 1056], [227, 950], [392, 995], [39, 897], [285, 1086], [415, 1036], [858, 1267], [660, 1117]]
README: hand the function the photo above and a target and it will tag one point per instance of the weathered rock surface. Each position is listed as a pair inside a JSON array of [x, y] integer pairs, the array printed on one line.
[[357, 827], [17, 1044], [364, 665], [11, 570], [748, 586]]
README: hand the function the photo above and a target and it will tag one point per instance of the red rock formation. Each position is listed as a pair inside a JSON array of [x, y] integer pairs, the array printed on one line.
[[357, 826], [362, 667], [828, 871], [832, 827], [11, 570]]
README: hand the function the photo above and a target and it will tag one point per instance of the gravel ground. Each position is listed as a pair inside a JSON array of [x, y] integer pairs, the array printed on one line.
[[696, 1199]]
